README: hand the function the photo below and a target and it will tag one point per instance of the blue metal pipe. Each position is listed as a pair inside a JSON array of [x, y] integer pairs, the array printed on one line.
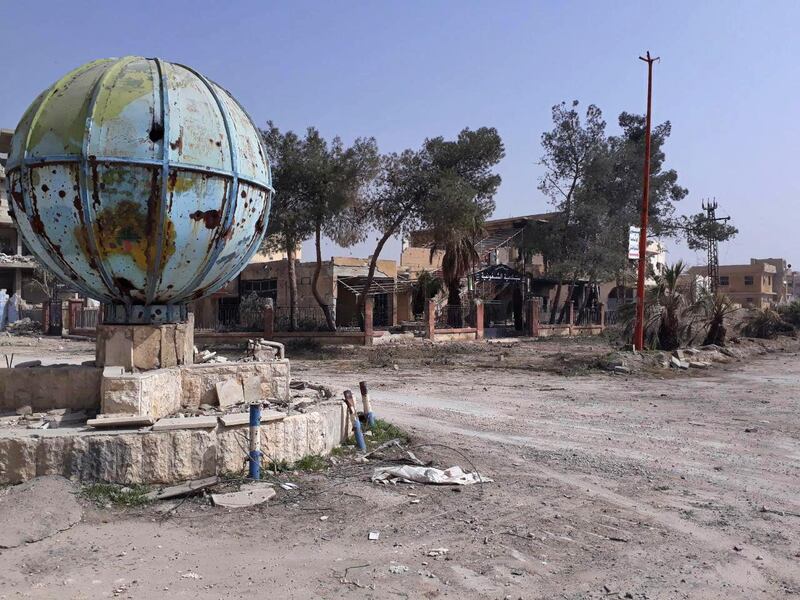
[[351, 409], [367, 405], [255, 441]]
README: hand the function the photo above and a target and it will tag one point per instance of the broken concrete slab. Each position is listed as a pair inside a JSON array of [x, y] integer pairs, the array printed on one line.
[[678, 363], [699, 364], [243, 418], [120, 421], [182, 489], [621, 369], [252, 389], [251, 495], [229, 393], [185, 423], [38, 509]]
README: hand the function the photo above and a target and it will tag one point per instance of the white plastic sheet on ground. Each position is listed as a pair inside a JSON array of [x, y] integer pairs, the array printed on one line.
[[413, 474]]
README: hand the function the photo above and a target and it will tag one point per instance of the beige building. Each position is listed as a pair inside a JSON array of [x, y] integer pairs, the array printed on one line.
[[341, 282], [748, 285], [16, 263]]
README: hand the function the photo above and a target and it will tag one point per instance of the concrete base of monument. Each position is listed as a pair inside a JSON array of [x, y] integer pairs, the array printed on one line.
[[145, 347], [146, 456], [158, 426]]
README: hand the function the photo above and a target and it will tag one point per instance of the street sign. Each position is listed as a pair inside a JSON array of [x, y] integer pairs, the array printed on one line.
[[633, 243]]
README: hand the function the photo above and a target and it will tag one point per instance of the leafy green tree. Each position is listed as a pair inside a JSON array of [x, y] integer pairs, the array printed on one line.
[[599, 196], [699, 230], [447, 186], [288, 225], [336, 180]]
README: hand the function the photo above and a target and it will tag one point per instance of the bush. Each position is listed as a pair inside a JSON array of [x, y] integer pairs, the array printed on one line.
[[791, 313], [765, 323]]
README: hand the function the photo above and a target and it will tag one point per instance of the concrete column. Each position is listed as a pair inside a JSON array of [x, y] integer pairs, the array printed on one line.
[[533, 317], [18, 282], [393, 320], [269, 319], [602, 308], [74, 314], [45, 317], [430, 319], [369, 316], [572, 313], [479, 319]]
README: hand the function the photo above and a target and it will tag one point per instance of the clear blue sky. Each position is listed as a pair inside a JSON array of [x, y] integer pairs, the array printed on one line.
[[403, 71]]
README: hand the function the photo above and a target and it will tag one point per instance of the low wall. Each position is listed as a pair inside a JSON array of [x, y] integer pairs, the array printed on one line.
[[42, 388], [166, 456], [455, 335], [569, 330], [324, 338], [198, 381]]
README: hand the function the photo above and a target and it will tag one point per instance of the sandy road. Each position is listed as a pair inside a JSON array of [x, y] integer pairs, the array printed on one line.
[[605, 486]]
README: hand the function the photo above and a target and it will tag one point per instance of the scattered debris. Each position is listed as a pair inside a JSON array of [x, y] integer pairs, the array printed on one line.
[[183, 489], [398, 569], [438, 552], [782, 513], [24, 326], [374, 535], [191, 575], [251, 495], [288, 486], [415, 474]]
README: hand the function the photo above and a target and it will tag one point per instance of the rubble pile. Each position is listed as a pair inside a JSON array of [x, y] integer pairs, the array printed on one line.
[[52, 419], [24, 326]]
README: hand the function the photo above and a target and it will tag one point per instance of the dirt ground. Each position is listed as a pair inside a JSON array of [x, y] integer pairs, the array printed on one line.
[[657, 484]]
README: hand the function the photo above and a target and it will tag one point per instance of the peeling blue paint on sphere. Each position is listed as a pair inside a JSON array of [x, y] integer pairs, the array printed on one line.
[[140, 183]]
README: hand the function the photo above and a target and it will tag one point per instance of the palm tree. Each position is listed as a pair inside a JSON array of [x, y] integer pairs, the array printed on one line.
[[459, 258], [665, 307], [713, 310]]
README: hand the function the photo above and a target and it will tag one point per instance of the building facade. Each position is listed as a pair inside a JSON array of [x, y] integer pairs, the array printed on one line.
[[17, 266], [750, 286]]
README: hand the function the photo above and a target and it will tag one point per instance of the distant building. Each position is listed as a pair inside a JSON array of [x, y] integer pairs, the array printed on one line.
[[17, 265], [748, 285], [341, 283], [779, 284]]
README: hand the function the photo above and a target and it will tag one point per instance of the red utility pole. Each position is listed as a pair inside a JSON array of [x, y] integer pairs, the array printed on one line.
[[638, 332]]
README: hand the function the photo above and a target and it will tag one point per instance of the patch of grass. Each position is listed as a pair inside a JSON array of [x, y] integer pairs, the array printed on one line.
[[384, 431], [104, 494], [311, 462]]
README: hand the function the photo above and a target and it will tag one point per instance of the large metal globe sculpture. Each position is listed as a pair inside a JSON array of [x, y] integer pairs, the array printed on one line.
[[140, 183]]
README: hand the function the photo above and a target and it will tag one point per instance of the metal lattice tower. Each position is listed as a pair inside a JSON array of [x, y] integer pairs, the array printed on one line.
[[713, 247]]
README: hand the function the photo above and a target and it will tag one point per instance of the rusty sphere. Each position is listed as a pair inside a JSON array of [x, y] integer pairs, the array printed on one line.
[[140, 183]]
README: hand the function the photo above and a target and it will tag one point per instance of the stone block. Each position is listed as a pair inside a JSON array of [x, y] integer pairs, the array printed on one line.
[[44, 388], [145, 347], [199, 381], [154, 394], [229, 393]]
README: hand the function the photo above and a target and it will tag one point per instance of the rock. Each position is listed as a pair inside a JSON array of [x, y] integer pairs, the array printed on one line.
[[24, 410], [678, 363], [692, 351], [251, 495], [398, 569], [229, 393], [679, 354], [621, 369], [38, 509], [699, 364]]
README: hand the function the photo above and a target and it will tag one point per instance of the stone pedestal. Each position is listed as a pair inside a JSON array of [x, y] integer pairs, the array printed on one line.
[[145, 347]]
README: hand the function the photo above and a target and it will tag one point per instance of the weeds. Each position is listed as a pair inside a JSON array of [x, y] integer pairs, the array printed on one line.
[[109, 494], [311, 462]]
